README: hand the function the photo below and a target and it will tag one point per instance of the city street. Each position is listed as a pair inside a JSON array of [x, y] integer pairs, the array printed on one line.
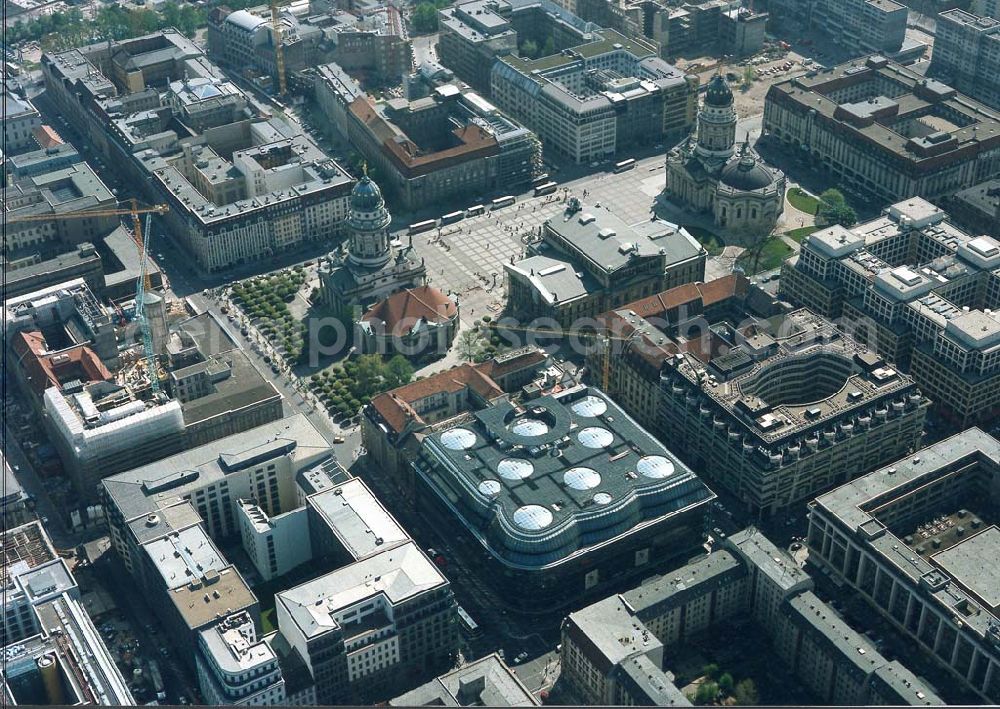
[[296, 400]]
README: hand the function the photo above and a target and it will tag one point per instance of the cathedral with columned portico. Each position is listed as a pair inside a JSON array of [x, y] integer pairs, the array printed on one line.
[[710, 173], [370, 268]]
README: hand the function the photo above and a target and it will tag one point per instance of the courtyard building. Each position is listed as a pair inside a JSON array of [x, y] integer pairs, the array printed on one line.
[[778, 410], [449, 145], [565, 494], [920, 290], [241, 184], [619, 650], [917, 540]]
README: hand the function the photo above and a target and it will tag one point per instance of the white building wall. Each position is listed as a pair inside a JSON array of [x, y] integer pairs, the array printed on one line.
[[279, 545]]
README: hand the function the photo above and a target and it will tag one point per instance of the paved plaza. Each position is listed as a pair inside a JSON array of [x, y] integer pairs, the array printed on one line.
[[466, 259]]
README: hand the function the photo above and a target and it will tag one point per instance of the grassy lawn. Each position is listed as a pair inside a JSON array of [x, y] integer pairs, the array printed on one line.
[[801, 233], [712, 243], [268, 622], [772, 256], [802, 201]]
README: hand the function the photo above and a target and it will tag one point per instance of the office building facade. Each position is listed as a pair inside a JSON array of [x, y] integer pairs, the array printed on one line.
[[919, 289], [967, 54], [884, 130], [912, 539]]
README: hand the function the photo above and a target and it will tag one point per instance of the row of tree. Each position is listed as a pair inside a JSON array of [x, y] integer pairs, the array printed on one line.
[[424, 17], [70, 29]]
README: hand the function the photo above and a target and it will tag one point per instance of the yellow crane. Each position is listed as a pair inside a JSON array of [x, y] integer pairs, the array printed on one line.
[[279, 49], [133, 211], [143, 283]]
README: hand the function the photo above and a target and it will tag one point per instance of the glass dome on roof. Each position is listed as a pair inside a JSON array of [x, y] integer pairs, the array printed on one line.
[[589, 406], [515, 468], [529, 427], [458, 439], [602, 498], [490, 488], [532, 517], [595, 437], [582, 478], [654, 466]]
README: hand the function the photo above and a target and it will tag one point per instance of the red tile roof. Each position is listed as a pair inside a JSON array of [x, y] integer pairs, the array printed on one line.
[[471, 142], [49, 369], [396, 407], [696, 296], [46, 137], [402, 310], [496, 370]]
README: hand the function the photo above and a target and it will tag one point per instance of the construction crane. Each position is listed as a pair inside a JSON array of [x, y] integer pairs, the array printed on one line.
[[603, 338], [279, 49], [133, 211], [141, 284]]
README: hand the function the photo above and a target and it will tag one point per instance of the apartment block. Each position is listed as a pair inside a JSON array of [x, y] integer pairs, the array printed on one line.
[[473, 35], [34, 198], [188, 582], [912, 540], [859, 26], [987, 8], [920, 290], [20, 119], [237, 667], [261, 464], [977, 208], [884, 130], [370, 39], [591, 93], [967, 54], [619, 650], [241, 184], [379, 623], [593, 101], [487, 681], [220, 390]]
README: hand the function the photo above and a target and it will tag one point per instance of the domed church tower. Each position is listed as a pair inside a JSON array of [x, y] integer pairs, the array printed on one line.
[[368, 222], [372, 269], [717, 122]]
